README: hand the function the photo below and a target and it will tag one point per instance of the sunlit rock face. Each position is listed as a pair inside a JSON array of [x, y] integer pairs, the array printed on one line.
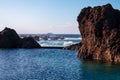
[[10, 39], [100, 30]]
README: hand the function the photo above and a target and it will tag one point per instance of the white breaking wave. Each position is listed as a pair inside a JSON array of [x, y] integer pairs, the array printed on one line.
[[56, 43], [67, 43], [73, 38]]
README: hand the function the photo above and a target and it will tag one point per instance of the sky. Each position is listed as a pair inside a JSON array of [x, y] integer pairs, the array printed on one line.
[[45, 16]]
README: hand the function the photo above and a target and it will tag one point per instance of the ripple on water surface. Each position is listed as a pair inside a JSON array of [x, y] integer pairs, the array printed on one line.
[[52, 64]]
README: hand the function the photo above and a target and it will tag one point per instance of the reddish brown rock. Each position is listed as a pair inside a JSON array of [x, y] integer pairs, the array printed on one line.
[[100, 30]]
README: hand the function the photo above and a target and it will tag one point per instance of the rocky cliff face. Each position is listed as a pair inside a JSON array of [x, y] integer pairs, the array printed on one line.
[[100, 31], [10, 39]]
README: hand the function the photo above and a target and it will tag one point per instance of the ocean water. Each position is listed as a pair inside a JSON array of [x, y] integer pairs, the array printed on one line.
[[52, 64], [68, 40]]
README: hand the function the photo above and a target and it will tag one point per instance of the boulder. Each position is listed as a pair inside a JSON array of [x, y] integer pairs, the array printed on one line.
[[10, 39], [100, 30], [29, 42]]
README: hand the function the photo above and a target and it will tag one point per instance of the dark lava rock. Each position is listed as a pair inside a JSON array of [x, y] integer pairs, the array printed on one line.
[[100, 31], [73, 46], [10, 39], [29, 42]]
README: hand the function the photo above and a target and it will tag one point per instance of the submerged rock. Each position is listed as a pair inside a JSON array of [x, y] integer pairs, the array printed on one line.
[[100, 31], [10, 39]]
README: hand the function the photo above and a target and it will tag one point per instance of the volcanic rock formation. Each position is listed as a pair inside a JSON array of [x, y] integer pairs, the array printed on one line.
[[29, 42], [100, 30], [10, 39], [73, 46]]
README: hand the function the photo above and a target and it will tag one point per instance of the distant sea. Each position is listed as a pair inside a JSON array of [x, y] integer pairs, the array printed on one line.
[[69, 39]]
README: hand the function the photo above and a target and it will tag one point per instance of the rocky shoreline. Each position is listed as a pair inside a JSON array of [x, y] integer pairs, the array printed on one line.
[[73, 47], [100, 31], [38, 37]]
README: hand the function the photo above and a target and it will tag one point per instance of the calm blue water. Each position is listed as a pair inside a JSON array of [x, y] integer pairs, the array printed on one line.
[[52, 64]]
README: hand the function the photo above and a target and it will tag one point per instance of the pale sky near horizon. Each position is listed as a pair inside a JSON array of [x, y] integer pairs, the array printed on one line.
[[45, 16]]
